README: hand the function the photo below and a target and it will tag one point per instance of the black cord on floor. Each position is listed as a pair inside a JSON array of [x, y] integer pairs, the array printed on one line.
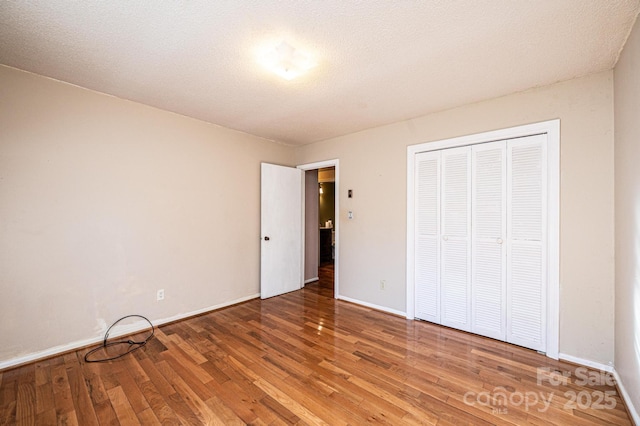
[[133, 345]]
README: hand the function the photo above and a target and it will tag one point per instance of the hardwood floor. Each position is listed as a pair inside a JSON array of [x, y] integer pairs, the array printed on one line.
[[305, 358]]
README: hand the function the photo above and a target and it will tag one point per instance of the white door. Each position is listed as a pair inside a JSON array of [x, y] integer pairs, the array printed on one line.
[[526, 242], [480, 245], [455, 266], [427, 214], [281, 230], [488, 219]]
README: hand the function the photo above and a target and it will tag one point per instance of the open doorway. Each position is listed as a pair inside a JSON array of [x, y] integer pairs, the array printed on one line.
[[321, 249], [327, 220]]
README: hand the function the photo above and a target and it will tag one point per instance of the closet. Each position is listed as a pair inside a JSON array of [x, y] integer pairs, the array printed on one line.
[[480, 231]]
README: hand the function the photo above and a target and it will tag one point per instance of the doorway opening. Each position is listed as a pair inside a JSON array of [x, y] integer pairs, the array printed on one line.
[[321, 225], [327, 219]]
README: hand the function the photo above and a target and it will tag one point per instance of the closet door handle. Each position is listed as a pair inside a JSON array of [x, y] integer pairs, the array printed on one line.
[[445, 238], [499, 241]]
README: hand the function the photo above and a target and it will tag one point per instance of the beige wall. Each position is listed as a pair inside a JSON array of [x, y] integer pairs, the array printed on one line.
[[373, 164], [627, 205], [104, 201]]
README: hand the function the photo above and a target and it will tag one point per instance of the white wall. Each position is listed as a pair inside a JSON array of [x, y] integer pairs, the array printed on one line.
[[627, 206], [104, 201], [373, 164]]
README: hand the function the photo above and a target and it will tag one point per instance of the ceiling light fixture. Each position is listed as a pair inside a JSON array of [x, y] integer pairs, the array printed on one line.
[[287, 61]]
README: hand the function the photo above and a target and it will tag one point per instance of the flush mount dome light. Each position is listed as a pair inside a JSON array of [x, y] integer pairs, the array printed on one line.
[[286, 61]]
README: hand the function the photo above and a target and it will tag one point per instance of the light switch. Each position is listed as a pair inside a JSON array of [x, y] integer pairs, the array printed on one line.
[[350, 215]]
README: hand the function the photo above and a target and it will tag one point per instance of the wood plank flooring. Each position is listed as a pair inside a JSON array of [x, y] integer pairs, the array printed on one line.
[[305, 358]]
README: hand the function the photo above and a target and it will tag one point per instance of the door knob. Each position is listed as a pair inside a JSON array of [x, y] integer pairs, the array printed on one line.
[[266, 238], [499, 241]]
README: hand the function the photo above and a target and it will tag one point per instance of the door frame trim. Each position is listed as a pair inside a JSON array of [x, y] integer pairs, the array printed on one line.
[[552, 129], [336, 261]]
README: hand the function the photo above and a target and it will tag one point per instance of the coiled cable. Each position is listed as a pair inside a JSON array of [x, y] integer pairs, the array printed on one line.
[[132, 344]]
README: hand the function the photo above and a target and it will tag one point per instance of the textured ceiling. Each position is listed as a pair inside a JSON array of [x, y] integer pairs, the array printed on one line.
[[379, 61]]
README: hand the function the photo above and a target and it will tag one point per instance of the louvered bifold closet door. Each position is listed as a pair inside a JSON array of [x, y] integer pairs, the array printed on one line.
[[488, 219], [455, 238], [526, 245], [427, 219]]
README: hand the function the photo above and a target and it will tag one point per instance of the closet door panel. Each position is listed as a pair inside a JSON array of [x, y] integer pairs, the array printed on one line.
[[427, 219], [455, 284], [488, 265], [455, 238], [526, 297], [526, 230]]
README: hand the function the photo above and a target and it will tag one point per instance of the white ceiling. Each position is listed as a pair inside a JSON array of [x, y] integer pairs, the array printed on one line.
[[379, 61]]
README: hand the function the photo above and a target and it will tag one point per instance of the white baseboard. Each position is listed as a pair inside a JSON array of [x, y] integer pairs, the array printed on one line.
[[627, 398], [34, 356], [117, 331], [310, 280], [205, 310], [610, 369], [372, 306], [586, 362]]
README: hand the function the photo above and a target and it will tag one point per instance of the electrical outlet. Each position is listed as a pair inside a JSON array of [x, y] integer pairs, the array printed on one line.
[[160, 295], [383, 284]]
